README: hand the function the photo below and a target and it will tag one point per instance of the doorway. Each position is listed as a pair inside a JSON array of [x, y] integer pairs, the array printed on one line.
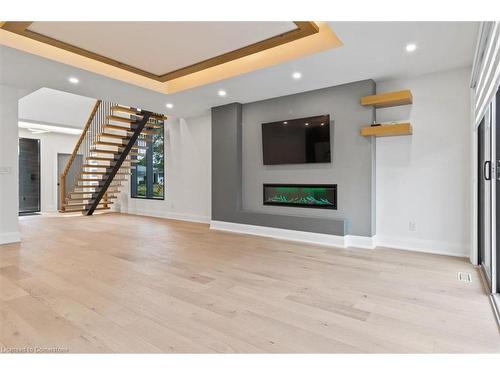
[[29, 176], [62, 161], [489, 194]]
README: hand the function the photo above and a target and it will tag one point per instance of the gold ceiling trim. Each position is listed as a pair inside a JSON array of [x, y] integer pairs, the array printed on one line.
[[303, 29], [324, 39]]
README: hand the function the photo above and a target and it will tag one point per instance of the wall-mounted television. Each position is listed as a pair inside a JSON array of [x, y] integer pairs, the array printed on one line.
[[297, 141]]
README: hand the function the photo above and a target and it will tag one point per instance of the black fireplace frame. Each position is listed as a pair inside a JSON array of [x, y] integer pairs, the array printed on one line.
[[302, 205]]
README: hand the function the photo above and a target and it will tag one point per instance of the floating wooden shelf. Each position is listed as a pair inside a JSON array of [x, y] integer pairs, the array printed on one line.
[[387, 130], [388, 99]]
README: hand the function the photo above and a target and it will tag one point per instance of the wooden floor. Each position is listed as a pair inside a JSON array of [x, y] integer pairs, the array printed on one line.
[[119, 283]]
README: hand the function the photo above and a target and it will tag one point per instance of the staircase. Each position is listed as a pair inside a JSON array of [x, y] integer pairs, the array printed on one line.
[[111, 142]]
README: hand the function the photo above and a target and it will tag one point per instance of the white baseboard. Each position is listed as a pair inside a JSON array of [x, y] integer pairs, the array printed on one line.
[[362, 242], [170, 215], [295, 235], [424, 246], [10, 237]]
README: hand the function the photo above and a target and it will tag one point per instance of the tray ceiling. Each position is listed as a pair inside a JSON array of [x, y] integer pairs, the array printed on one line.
[[164, 50]]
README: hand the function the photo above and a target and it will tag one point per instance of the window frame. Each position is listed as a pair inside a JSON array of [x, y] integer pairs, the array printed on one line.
[[149, 164]]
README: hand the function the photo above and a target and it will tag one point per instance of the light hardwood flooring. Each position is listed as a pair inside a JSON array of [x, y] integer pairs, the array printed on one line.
[[122, 283]]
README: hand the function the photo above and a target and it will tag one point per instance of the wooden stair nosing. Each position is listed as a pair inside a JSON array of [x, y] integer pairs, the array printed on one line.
[[127, 121], [84, 202], [110, 135], [78, 210], [120, 119], [104, 143], [129, 130], [112, 152], [102, 173], [100, 166], [130, 111], [109, 191], [125, 164]]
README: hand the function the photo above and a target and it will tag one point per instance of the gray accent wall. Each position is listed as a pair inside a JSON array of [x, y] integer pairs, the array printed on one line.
[[238, 172]]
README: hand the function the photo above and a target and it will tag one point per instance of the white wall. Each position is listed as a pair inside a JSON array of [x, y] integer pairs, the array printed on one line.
[[187, 171], [51, 144], [425, 178], [9, 172]]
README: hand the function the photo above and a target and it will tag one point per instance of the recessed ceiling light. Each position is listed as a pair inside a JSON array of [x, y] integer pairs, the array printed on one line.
[[297, 75], [222, 93], [169, 105], [307, 124], [285, 122], [411, 47], [322, 123], [74, 80]]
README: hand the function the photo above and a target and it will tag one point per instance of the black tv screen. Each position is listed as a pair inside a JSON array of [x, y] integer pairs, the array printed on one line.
[[297, 141]]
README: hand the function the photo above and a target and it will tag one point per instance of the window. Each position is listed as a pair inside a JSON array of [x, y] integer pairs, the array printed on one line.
[[148, 178]]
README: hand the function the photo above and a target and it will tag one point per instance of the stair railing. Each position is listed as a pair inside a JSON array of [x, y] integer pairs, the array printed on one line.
[[93, 127]]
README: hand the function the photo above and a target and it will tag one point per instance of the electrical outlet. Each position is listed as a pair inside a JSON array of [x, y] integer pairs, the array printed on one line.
[[5, 170], [412, 226]]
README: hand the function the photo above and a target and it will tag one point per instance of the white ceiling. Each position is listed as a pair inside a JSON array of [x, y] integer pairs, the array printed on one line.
[[47, 106], [161, 47], [371, 50]]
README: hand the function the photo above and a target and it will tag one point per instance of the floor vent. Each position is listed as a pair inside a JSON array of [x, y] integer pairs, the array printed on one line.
[[464, 276]]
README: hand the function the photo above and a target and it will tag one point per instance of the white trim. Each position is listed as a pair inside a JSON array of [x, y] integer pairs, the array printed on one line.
[[425, 246], [169, 215], [495, 305], [361, 242], [493, 173], [10, 237], [473, 255], [432, 247], [296, 235]]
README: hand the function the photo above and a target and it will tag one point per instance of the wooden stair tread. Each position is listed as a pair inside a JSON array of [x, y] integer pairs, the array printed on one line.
[[100, 179], [82, 184], [112, 163], [85, 202], [104, 151], [84, 196], [111, 135], [131, 111], [110, 190], [120, 119], [103, 166], [128, 129], [104, 143], [117, 145], [80, 210], [101, 158], [111, 152], [103, 173]]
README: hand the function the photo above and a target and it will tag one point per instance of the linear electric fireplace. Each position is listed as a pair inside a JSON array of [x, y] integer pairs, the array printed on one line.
[[314, 196]]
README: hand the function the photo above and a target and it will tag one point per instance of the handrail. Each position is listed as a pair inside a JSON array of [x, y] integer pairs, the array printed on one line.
[[62, 178]]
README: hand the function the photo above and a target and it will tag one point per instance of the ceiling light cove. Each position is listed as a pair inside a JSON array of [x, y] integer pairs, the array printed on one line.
[[169, 105], [74, 80], [411, 47], [297, 75], [222, 93], [42, 128]]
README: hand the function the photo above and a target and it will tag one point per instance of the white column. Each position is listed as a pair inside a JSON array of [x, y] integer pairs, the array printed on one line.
[[9, 170]]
